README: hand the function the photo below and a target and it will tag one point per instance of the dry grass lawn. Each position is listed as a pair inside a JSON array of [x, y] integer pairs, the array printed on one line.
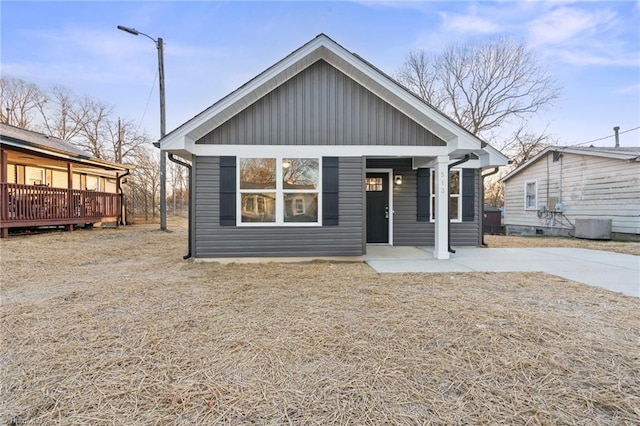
[[498, 241], [113, 327]]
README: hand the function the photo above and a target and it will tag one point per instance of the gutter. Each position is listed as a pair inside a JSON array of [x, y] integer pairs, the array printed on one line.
[[190, 211], [119, 184], [493, 172], [464, 159]]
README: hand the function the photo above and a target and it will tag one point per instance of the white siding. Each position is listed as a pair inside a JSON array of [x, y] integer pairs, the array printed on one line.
[[590, 188]]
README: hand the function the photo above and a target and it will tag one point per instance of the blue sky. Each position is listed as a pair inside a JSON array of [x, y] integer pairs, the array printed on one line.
[[211, 48]]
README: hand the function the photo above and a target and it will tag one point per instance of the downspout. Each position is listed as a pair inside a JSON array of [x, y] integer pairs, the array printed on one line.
[[190, 210], [464, 159], [119, 184], [493, 172]]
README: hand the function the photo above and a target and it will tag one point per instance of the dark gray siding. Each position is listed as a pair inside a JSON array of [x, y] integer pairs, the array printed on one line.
[[321, 106], [407, 231], [212, 240]]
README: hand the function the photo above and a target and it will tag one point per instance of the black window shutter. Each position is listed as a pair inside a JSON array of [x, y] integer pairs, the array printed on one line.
[[330, 191], [424, 195], [228, 191], [468, 195]]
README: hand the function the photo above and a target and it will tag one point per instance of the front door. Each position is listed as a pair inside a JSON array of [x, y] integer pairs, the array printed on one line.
[[377, 188]]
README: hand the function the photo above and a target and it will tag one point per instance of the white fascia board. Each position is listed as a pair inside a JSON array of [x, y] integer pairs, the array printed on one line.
[[318, 150], [483, 162], [525, 165], [464, 143], [173, 141], [491, 157]]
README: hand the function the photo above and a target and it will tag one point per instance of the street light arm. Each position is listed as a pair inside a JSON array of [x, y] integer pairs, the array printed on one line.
[[136, 32]]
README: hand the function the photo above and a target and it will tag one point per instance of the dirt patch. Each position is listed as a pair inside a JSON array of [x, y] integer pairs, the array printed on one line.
[[112, 326], [501, 241]]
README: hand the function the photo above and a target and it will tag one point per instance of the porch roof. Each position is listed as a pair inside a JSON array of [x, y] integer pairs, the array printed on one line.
[[43, 145]]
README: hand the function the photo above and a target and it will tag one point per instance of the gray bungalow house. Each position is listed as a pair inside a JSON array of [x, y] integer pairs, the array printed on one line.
[[322, 154]]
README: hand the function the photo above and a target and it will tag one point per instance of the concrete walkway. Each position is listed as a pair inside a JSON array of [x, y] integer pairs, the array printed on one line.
[[613, 271]]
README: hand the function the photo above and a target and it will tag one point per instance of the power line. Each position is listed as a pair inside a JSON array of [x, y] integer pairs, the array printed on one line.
[[144, 113], [606, 137]]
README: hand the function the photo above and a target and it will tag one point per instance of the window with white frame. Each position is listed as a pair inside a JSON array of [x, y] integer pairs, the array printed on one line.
[[531, 195], [93, 183], [34, 176], [279, 191], [455, 197]]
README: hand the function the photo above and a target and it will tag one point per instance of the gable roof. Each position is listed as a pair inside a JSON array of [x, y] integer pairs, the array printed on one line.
[[20, 138], [619, 153], [324, 48]]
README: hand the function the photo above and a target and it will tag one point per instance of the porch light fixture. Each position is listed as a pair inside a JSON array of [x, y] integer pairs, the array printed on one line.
[[398, 179]]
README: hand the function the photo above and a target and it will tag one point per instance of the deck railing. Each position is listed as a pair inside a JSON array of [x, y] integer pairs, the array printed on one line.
[[33, 205]]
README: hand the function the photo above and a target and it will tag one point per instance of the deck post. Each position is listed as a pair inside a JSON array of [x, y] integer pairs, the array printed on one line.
[[70, 199], [441, 243], [4, 232]]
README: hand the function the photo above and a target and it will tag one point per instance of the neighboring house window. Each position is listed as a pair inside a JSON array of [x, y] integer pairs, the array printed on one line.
[[93, 183], [531, 195], [455, 199], [34, 176], [279, 191]]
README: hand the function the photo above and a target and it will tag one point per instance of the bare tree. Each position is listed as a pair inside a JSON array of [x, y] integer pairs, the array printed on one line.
[[482, 86], [121, 140], [178, 181], [19, 102], [418, 73], [494, 191], [486, 87], [95, 126], [524, 145], [147, 179], [61, 115]]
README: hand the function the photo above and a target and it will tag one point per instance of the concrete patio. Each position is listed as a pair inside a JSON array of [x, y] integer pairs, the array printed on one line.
[[613, 271]]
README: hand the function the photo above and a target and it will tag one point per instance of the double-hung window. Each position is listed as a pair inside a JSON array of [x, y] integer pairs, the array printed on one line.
[[455, 200], [531, 195], [279, 191]]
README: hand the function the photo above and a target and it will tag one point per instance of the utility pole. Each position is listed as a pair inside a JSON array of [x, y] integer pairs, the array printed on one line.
[[163, 157]]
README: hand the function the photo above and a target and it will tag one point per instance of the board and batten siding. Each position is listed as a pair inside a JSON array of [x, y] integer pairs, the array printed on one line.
[[590, 187], [321, 106], [407, 231], [213, 240]]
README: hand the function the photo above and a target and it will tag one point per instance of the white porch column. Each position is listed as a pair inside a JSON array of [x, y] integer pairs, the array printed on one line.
[[441, 243]]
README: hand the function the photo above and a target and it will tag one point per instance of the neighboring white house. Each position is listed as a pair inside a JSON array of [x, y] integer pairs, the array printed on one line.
[[547, 194]]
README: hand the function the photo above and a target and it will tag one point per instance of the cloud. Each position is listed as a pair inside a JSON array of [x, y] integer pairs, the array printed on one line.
[[469, 24], [628, 90], [585, 56], [565, 24]]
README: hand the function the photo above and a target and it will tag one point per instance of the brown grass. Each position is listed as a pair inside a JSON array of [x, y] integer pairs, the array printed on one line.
[[498, 241], [112, 327]]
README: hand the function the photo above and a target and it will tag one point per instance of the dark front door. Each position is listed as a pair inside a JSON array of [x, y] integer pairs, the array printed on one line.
[[377, 188]]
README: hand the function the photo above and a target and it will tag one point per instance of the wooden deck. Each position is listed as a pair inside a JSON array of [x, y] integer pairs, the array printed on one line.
[[25, 206]]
